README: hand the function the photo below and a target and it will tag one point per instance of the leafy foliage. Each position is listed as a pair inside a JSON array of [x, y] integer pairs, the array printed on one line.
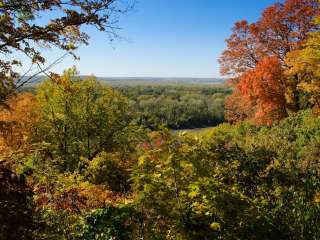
[[255, 60], [17, 124], [82, 119], [177, 106], [233, 183], [109, 223], [77, 162], [21, 32], [304, 64]]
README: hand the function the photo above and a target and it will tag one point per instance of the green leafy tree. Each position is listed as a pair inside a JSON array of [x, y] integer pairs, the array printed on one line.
[[81, 118], [232, 183]]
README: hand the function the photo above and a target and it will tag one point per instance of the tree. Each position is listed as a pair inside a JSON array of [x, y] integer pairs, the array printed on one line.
[[81, 118], [19, 118], [232, 182], [21, 31], [282, 28], [235, 109], [264, 88], [304, 64]]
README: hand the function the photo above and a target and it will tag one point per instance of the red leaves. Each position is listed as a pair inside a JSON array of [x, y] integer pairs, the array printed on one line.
[[235, 109], [76, 199], [284, 27], [241, 54], [264, 88], [255, 56]]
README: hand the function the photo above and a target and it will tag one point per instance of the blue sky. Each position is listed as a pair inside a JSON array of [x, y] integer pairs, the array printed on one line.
[[165, 38]]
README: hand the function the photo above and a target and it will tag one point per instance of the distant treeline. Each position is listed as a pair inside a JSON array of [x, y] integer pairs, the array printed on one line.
[[138, 81], [177, 106], [174, 106]]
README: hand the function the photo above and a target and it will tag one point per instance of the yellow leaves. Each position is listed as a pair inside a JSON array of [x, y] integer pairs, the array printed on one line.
[[291, 60], [147, 188], [273, 165], [195, 191], [97, 196], [141, 160], [215, 226], [157, 175], [65, 79], [199, 208], [193, 194], [71, 46], [317, 198], [310, 87], [304, 65]]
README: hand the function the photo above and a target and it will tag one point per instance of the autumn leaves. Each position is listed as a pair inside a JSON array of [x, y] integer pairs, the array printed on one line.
[[264, 60]]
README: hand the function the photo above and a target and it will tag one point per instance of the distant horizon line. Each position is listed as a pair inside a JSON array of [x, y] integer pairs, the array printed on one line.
[[150, 77]]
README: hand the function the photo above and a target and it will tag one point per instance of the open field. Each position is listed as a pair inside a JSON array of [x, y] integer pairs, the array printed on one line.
[[193, 131]]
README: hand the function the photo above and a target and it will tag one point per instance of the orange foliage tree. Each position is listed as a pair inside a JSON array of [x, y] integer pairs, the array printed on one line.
[[264, 88], [17, 123], [255, 61]]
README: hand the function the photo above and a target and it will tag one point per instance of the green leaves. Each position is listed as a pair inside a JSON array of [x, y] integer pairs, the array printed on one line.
[[108, 223], [177, 106], [81, 118], [238, 181]]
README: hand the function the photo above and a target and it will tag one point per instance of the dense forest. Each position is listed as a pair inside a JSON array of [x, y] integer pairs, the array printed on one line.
[[82, 160], [176, 106], [168, 105]]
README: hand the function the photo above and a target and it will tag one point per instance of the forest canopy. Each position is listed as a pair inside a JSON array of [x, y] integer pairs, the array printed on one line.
[[82, 160]]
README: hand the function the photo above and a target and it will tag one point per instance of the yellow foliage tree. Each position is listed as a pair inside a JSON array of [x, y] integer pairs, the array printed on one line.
[[305, 64]]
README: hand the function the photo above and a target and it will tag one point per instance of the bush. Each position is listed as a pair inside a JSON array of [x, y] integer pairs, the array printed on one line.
[[105, 169]]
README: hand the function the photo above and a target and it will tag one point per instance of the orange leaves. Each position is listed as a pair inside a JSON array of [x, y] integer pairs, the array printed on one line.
[[241, 54], [17, 122], [76, 199], [255, 57], [265, 81], [262, 90], [284, 27], [235, 109]]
